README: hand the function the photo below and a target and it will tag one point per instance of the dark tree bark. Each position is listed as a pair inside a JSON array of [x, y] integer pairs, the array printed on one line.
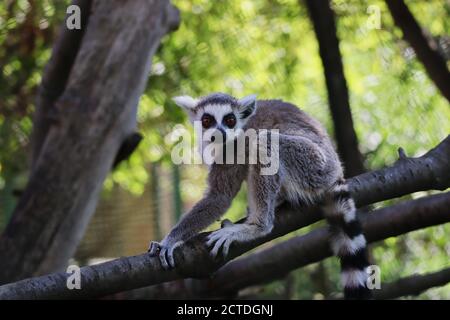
[[323, 20], [93, 111], [426, 49], [409, 175], [408, 286]]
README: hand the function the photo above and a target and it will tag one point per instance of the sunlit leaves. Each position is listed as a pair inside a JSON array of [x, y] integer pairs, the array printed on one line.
[[262, 47]]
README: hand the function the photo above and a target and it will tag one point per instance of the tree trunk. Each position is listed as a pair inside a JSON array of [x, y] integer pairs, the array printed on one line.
[[323, 20], [55, 78], [94, 114]]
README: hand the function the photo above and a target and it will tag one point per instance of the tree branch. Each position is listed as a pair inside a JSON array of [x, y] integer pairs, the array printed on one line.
[[277, 261], [323, 20], [417, 174], [129, 144], [413, 285], [429, 55], [372, 186]]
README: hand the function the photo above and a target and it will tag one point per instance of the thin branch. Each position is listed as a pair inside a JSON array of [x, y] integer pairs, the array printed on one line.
[[429, 55], [416, 174], [413, 285]]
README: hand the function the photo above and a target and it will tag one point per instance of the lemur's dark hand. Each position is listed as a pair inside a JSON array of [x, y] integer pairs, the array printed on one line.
[[165, 252]]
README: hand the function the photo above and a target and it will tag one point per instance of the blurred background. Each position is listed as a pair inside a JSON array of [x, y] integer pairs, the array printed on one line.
[[267, 47]]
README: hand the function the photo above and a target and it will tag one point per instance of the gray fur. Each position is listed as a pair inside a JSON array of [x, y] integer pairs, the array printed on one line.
[[309, 166], [217, 98]]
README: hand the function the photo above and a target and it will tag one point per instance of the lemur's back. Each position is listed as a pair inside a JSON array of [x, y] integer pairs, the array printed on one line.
[[289, 119]]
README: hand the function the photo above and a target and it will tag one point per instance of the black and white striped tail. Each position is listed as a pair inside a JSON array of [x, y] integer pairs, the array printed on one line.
[[347, 241]]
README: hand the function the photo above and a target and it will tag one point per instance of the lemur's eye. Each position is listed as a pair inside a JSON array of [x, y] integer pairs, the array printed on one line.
[[230, 120], [207, 121]]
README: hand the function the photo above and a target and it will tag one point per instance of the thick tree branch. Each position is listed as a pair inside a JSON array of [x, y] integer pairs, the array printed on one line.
[[427, 50], [371, 187], [413, 285], [323, 20], [427, 172], [277, 261]]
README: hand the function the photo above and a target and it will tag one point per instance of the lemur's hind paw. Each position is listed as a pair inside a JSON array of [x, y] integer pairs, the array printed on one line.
[[165, 253]]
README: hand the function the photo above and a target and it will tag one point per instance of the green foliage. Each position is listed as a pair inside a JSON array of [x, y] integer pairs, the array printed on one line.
[[27, 32], [265, 47]]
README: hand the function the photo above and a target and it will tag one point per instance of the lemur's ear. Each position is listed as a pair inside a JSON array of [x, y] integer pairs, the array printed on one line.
[[185, 102], [247, 106], [188, 104]]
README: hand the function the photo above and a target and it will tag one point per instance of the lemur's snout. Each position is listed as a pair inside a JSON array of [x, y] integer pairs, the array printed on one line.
[[218, 135]]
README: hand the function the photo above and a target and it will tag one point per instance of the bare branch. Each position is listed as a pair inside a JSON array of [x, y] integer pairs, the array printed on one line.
[[413, 285], [427, 172], [127, 147], [402, 154], [372, 186], [429, 55]]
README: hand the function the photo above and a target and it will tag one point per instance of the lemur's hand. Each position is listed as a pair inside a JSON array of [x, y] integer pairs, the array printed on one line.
[[165, 252], [222, 238]]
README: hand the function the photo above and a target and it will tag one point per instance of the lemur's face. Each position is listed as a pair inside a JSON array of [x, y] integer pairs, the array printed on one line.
[[218, 118], [219, 122]]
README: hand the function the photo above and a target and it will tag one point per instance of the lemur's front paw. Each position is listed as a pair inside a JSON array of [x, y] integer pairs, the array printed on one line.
[[222, 238], [165, 252]]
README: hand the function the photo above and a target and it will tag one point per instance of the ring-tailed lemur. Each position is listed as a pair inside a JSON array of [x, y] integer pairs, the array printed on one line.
[[309, 170]]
